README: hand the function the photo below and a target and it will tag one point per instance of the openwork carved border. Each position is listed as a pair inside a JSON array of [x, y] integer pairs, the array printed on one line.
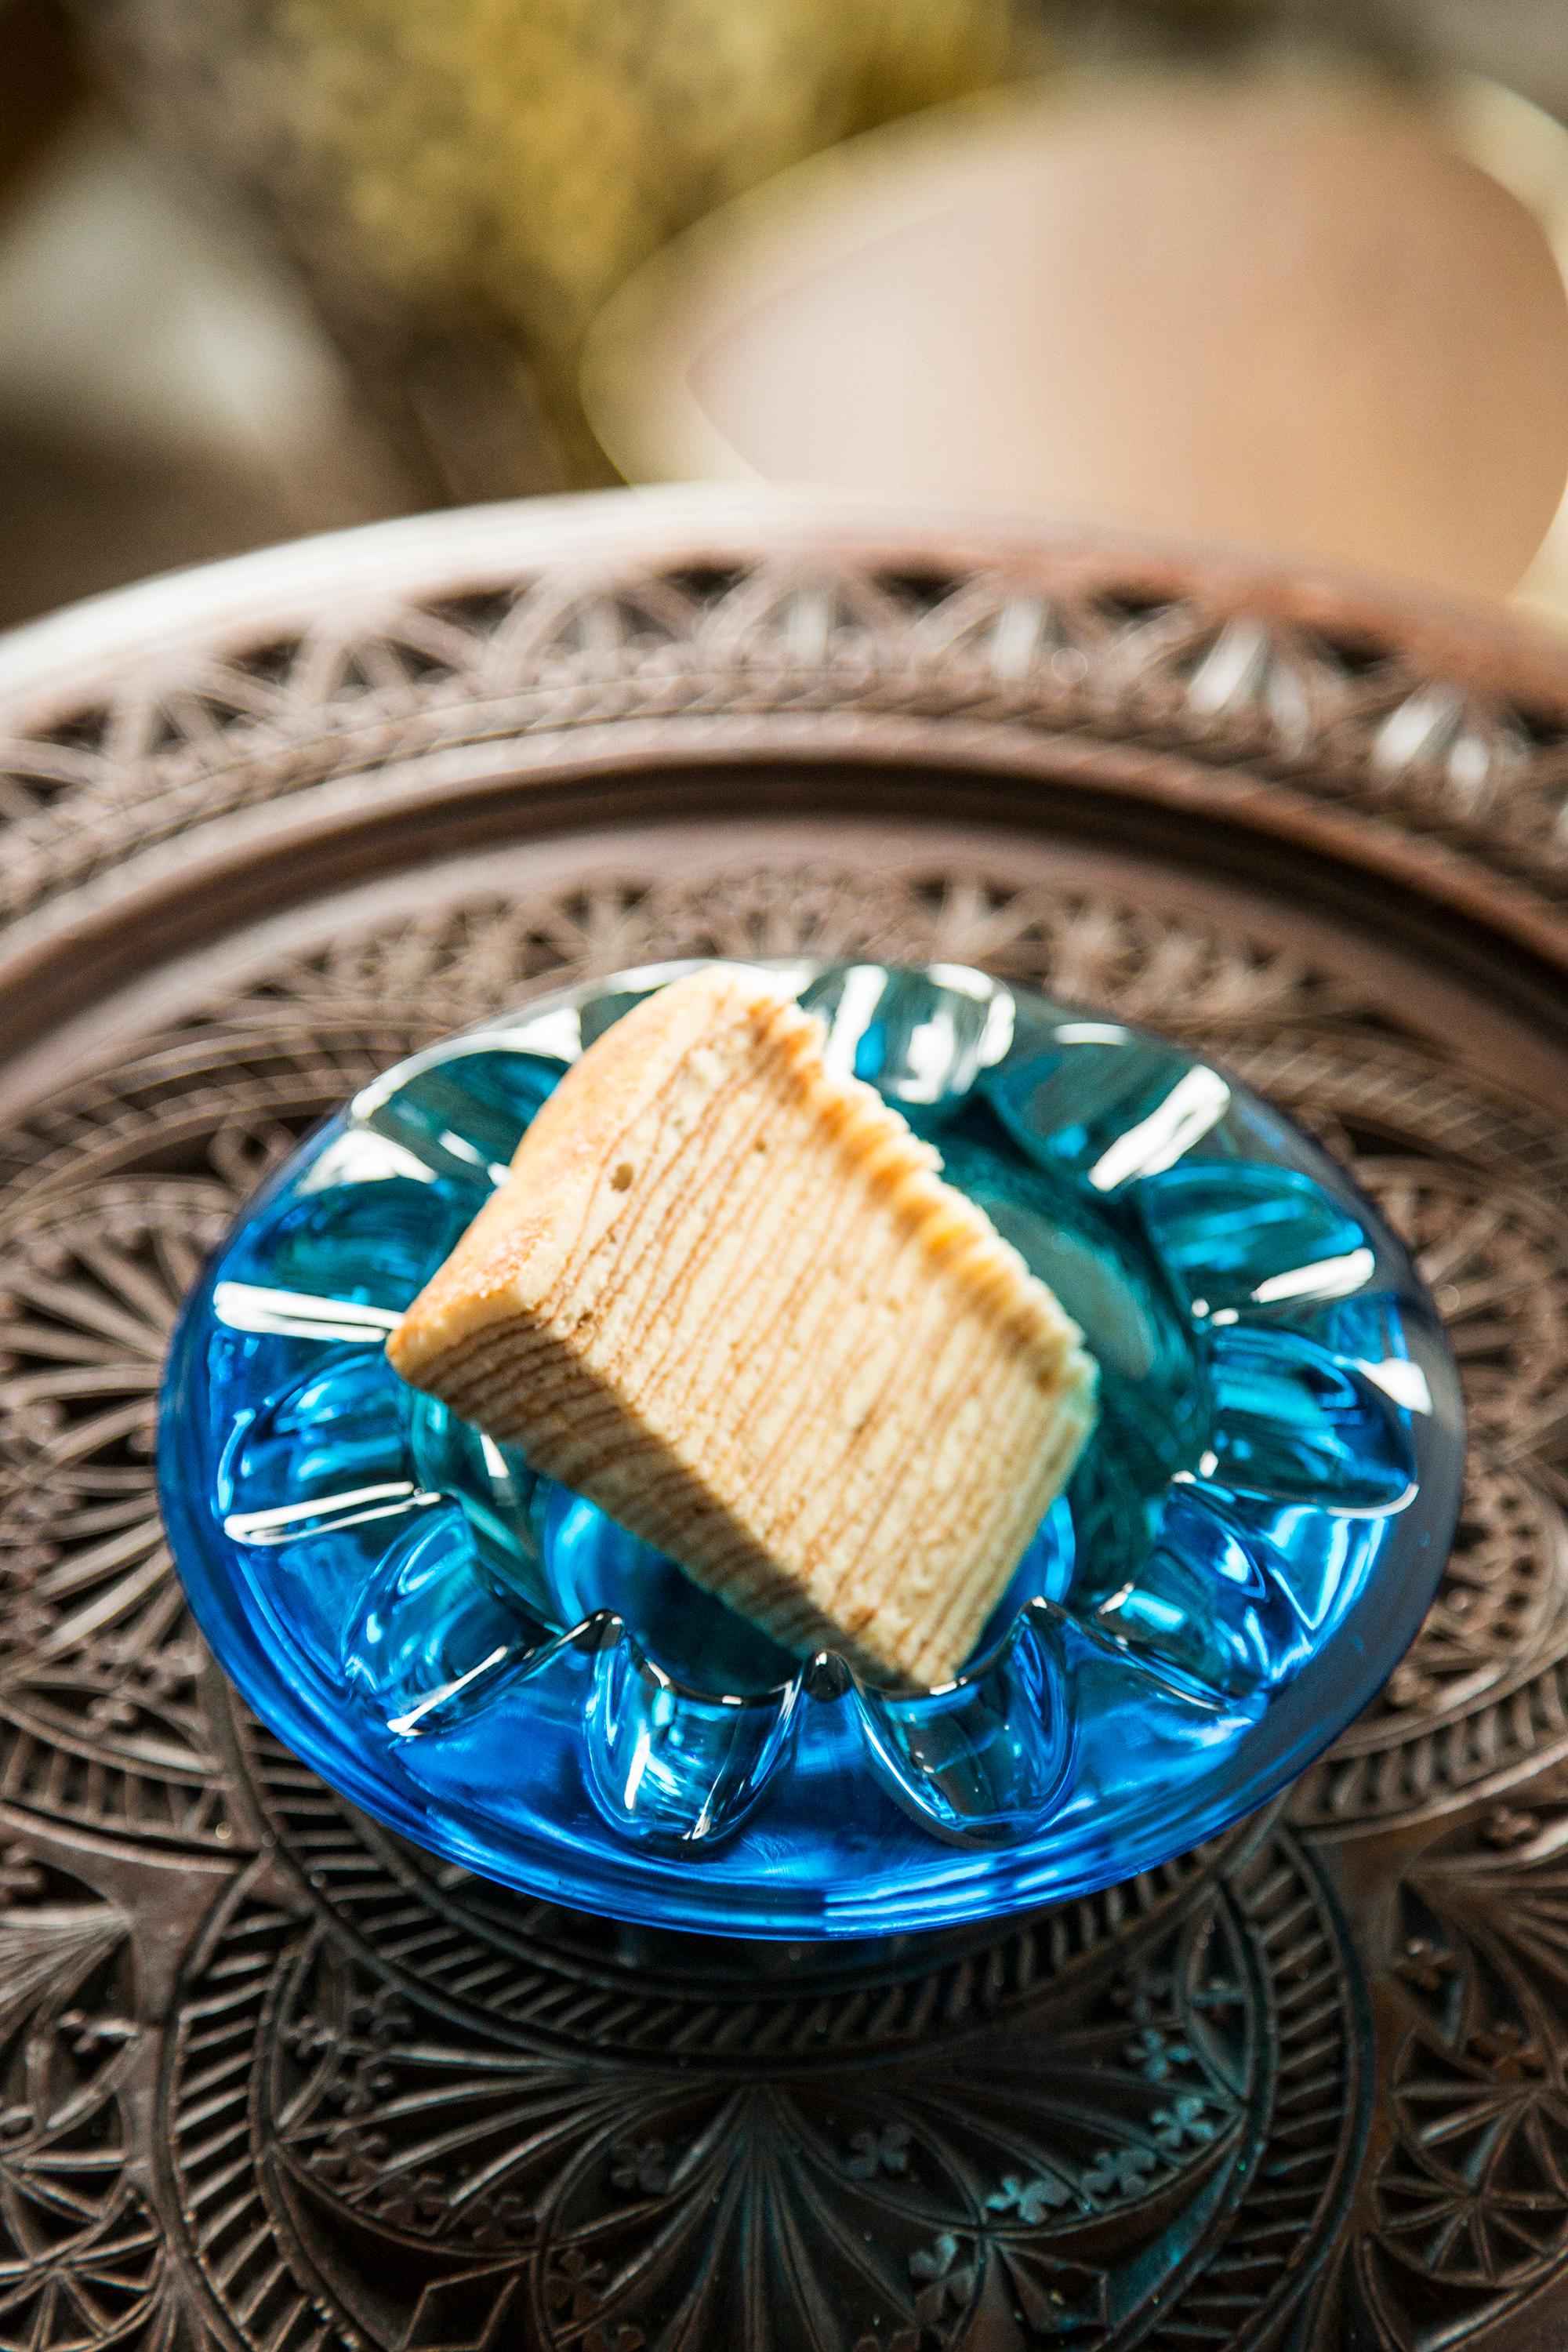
[[727, 648]]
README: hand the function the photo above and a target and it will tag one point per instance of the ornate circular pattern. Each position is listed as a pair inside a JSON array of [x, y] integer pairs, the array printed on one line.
[[99, 1658], [269, 831], [1069, 2141], [81, 2260]]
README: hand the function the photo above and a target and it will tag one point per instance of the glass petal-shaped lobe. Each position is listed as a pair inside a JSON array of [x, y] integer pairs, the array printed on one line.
[[921, 1038], [1237, 1235], [1144, 1735], [1322, 1557], [1111, 1105], [985, 1759], [1374, 1332], [673, 1767], [500, 1497], [1297, 1423], [358, 1227], [326, 1451], [1210, 1603], [433, 1638], [460, 1112], [589, 1563]]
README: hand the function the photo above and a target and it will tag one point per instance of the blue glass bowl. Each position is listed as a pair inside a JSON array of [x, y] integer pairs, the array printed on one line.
[[486, 1662]]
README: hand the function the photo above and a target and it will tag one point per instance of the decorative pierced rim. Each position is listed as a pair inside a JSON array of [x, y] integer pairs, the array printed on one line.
[[260, 709]]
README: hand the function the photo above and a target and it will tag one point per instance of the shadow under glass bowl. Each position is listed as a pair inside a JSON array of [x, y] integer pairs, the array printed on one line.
[[486, 1662]]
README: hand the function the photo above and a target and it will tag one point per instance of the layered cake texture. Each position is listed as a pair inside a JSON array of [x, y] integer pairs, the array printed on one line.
[[725, 1293]]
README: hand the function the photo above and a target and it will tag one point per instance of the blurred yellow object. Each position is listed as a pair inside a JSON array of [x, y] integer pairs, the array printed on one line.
[[499, 166]]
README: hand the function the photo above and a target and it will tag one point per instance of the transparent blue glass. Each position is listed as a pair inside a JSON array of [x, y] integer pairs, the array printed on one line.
[[482, 1659]]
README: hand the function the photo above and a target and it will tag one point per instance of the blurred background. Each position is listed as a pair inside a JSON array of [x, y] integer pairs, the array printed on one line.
[[1287, 275]]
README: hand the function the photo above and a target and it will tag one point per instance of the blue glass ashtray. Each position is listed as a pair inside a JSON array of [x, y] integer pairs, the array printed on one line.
[[483, 1659]]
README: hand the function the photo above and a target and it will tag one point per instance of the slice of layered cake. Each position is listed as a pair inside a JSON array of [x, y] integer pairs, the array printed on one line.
[[724, 1292]]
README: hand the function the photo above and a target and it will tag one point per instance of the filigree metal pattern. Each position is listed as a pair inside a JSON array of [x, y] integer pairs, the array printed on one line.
[[1014, 2168], [272, 2079]]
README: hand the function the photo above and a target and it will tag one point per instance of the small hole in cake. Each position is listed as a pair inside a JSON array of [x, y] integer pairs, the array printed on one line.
[[621, 1176]]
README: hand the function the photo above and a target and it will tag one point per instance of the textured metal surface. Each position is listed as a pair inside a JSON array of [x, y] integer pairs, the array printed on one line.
[[269, 2079]]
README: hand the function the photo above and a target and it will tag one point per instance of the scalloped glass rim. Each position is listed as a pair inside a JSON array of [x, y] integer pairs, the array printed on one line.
[[581, 1691]]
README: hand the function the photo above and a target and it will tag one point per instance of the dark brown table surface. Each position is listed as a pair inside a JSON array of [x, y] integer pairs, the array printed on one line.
[[270, 2079]]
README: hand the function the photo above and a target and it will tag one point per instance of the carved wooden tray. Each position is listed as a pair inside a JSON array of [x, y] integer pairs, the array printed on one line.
[[271, 2080]]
